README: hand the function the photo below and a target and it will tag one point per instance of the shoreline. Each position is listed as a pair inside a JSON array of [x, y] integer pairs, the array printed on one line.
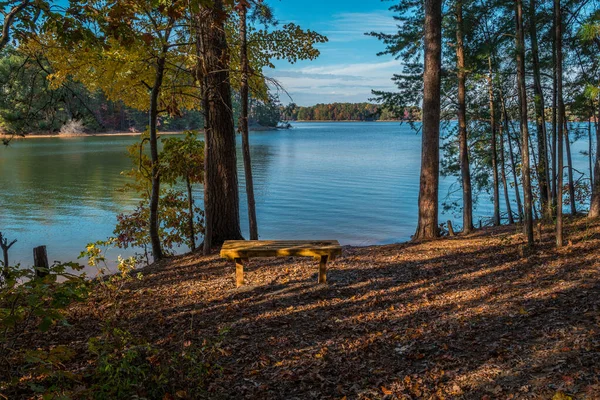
[[101, 134], [346, 120]]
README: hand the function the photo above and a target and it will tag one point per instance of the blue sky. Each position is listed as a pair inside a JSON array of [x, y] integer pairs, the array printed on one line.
[[348, 68]]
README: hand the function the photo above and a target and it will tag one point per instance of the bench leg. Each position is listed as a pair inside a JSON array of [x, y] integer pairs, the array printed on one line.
[[323, 269], [239, 272]]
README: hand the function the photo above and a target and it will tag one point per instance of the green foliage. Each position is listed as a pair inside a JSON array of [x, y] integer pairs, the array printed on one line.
[[343, 112], [125, 367], [264, 113], [128, 367], [30, 302], [180, 160]]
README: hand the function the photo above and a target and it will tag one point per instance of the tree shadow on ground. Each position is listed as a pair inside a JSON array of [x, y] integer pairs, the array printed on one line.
[[460, 318]]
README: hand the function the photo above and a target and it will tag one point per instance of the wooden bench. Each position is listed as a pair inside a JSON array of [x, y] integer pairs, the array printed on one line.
[[240, 251]]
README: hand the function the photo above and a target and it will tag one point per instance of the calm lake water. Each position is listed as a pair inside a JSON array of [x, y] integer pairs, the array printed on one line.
[[355, 182]]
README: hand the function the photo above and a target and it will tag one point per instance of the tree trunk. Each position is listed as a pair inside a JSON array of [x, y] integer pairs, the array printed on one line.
[[244, 91], [10, 18], [157, 252], [512, 159], [570, 170], [430, 161], [201, 78], [590, 149], [555, 194], [496, 218], [462, 124], [595, 201], [542, 143], [560, 114], [40, 262], [222, 180], [525, 168], [504, 182], [191, 212]]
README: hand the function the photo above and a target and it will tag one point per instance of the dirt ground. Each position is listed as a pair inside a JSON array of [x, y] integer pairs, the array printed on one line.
[[479, 317]]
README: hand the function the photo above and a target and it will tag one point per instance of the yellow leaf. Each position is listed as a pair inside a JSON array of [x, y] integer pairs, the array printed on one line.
[[561, 396]]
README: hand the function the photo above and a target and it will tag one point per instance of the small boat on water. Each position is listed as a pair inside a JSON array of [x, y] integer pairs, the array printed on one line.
[[283, 125]]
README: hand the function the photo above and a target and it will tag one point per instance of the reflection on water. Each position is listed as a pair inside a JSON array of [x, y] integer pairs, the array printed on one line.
[[355, 182]]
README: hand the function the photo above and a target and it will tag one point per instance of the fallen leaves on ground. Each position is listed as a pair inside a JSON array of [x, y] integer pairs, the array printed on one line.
[[475, 317]]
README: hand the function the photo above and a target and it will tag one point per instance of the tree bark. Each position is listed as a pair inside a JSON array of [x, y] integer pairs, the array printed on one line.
[[40, 262], [427, 226], [595, 201], [244, 91], [222, 180], [512, 158], [157, 253], [570, 170], [525, 167], [560, 114], [542, 142], [9, 20], [5, 248], [554, 146], [504, 182], [590, 149], [201, 78], [191, 214], [462, 124], [496, 217]]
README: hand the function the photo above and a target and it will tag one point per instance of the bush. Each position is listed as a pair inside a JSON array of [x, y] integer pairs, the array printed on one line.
[[73, 127]]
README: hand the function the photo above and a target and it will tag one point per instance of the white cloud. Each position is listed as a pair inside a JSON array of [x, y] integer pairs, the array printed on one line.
[[338, 82], [348, 68], [346, 27]]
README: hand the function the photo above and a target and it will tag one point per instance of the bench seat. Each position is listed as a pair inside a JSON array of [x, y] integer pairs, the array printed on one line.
[[240, 251]]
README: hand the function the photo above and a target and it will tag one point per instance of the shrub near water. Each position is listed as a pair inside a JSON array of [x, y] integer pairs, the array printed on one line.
[[115, 364], [28, 304]]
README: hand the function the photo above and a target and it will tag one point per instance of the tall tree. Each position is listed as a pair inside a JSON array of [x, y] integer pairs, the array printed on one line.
[[221, 173], [522, 89], [462, 122], [427, 226], [144, 61], [560, 115], [496, 190], [243, 124], [542, 141]]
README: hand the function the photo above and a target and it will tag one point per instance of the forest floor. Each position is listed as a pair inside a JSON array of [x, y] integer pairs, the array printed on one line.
[[477, 317]]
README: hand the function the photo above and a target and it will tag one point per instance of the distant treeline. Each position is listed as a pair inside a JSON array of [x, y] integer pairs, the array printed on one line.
[[346, 112]]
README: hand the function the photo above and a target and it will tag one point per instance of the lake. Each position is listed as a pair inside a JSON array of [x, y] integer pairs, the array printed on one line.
[[355, 182]]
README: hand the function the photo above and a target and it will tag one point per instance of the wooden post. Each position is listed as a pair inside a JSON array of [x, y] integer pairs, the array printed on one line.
[[239, 272], [40, 261], [323, 269], [450, 228]]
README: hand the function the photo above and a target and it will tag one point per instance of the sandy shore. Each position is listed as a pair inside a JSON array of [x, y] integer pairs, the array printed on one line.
[[71, 136]]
